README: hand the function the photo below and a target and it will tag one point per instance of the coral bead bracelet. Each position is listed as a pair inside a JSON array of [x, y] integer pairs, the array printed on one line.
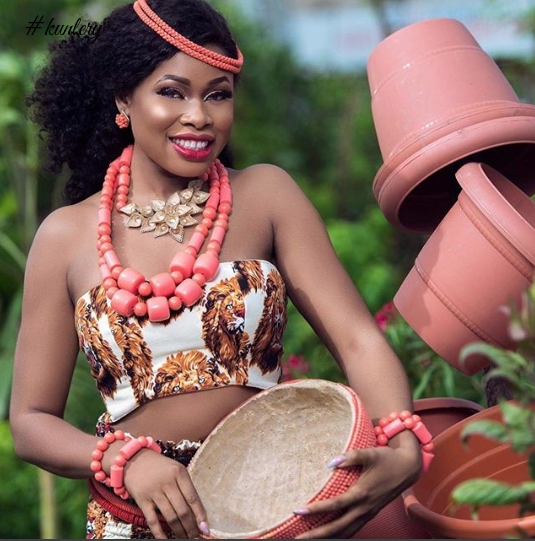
[[395, 423], [127, 451]]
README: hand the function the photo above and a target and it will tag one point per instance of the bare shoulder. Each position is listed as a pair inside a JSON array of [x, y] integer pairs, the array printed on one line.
[[263, 176], [66, 223], [64, 232], [271, 185]]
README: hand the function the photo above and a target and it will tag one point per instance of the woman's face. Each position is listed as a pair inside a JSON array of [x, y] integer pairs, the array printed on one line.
[[181, 116]]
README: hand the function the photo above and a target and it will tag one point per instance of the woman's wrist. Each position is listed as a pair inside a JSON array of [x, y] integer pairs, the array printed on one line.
[[109, 455], [396, 430], [122, 447]]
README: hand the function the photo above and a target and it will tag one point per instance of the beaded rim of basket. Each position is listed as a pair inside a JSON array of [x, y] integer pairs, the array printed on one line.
[[361, 435]]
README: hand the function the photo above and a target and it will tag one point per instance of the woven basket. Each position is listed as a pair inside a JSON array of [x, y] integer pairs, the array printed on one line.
[[269, 457]]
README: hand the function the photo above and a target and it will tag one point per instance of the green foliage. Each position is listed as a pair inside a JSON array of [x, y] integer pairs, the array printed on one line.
[[20, 502], [21, 478], [20, 498], [429, 374], [488, 492], [317, 126], [8, 330], [517, 425], [364, 250]]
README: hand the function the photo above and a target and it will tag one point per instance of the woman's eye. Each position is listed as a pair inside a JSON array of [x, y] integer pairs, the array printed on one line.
[[219, 95], [170, 92]]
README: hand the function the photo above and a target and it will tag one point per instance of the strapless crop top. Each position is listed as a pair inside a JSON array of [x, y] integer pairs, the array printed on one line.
[[232, 336]]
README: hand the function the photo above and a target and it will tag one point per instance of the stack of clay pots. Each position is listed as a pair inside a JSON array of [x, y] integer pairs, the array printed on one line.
[[459, 165], [458, 149]]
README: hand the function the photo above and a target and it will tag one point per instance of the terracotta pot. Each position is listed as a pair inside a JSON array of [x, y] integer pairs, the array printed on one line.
[[480, 257], [439, 101], [439, 413], [392, 522], [428, 501]]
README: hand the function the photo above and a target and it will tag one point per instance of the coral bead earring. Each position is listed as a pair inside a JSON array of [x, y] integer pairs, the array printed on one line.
[[122, 120]]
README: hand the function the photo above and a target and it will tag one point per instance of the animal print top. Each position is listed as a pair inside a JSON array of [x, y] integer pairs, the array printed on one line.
[[232, 336]]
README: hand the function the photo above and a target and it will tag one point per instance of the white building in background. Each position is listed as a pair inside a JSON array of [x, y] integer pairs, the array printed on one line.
[[340, 34]]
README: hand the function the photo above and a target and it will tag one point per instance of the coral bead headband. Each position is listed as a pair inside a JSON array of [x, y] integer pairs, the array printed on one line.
[[187, 46]]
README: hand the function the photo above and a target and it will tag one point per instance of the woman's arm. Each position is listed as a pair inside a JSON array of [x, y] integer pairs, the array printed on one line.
[[45, 358], [323, 292]]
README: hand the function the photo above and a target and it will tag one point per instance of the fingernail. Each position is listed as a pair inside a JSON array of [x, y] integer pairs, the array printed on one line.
[[204, 528], [337, 461], [301, 511]]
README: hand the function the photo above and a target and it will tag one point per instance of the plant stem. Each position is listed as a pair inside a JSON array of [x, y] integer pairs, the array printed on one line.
[[49, 510]]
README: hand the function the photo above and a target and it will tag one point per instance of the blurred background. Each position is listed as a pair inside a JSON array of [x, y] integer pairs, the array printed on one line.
[[304, 104]]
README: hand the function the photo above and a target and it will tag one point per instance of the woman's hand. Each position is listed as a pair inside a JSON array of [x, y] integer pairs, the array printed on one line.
[[386, 472], [158, 483]]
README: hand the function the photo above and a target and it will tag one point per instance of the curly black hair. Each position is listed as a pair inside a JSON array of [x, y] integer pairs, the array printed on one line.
[[73, 100]]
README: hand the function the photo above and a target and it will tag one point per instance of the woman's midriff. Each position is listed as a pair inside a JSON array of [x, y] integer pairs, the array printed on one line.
[[190, 416]]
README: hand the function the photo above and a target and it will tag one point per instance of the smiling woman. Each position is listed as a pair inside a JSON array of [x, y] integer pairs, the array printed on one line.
[[200, 98], [182, 326]]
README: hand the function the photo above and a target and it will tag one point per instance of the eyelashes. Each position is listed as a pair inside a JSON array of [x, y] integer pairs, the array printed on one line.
[[175, 93], [220, 95], [170, 92]]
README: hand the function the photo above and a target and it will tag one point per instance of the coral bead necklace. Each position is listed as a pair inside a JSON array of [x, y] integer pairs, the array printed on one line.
[[129, 291]]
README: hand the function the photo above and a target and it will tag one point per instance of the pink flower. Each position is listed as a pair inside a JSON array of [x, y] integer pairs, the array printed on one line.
[[385, 314], [294, 367]]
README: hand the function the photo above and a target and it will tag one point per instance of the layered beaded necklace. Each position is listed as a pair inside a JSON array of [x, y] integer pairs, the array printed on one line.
[[129, 291]]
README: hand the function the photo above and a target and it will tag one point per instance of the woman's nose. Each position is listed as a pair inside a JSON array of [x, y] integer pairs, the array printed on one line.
[[195, 114]]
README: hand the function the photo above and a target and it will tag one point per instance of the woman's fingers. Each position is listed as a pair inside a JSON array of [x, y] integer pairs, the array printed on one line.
[[354, 507], [177, 516], [353, 496], [384, 474], [170, 495], [153, 521], [356, 457], [196, 512], [181, 507]]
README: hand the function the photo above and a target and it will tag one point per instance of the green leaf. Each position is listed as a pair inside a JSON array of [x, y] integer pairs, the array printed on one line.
[[515, 415], [9, 116], [13, 250], [491, 429], [518, 420], [11, 66], [7, 345], [480, 348], [424, 382], [529, 486], [503, 358], [479, 492]]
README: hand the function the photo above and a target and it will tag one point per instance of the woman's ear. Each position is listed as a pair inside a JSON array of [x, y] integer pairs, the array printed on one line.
[[122, 118], [122, 104]]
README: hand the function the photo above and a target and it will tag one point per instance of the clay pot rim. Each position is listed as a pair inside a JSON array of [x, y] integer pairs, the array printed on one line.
[[474, 177], [449, 432], [456, 527], [445, 402], [399, 176], [460, 528]]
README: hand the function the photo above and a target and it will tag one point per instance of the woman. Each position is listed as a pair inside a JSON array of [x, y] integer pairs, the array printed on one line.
[[171, 317]]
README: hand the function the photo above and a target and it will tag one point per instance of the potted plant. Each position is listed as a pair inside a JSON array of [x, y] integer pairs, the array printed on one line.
[[482, 482]]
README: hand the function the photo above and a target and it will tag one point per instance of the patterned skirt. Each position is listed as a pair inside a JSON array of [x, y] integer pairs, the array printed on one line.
[[111, 517]]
